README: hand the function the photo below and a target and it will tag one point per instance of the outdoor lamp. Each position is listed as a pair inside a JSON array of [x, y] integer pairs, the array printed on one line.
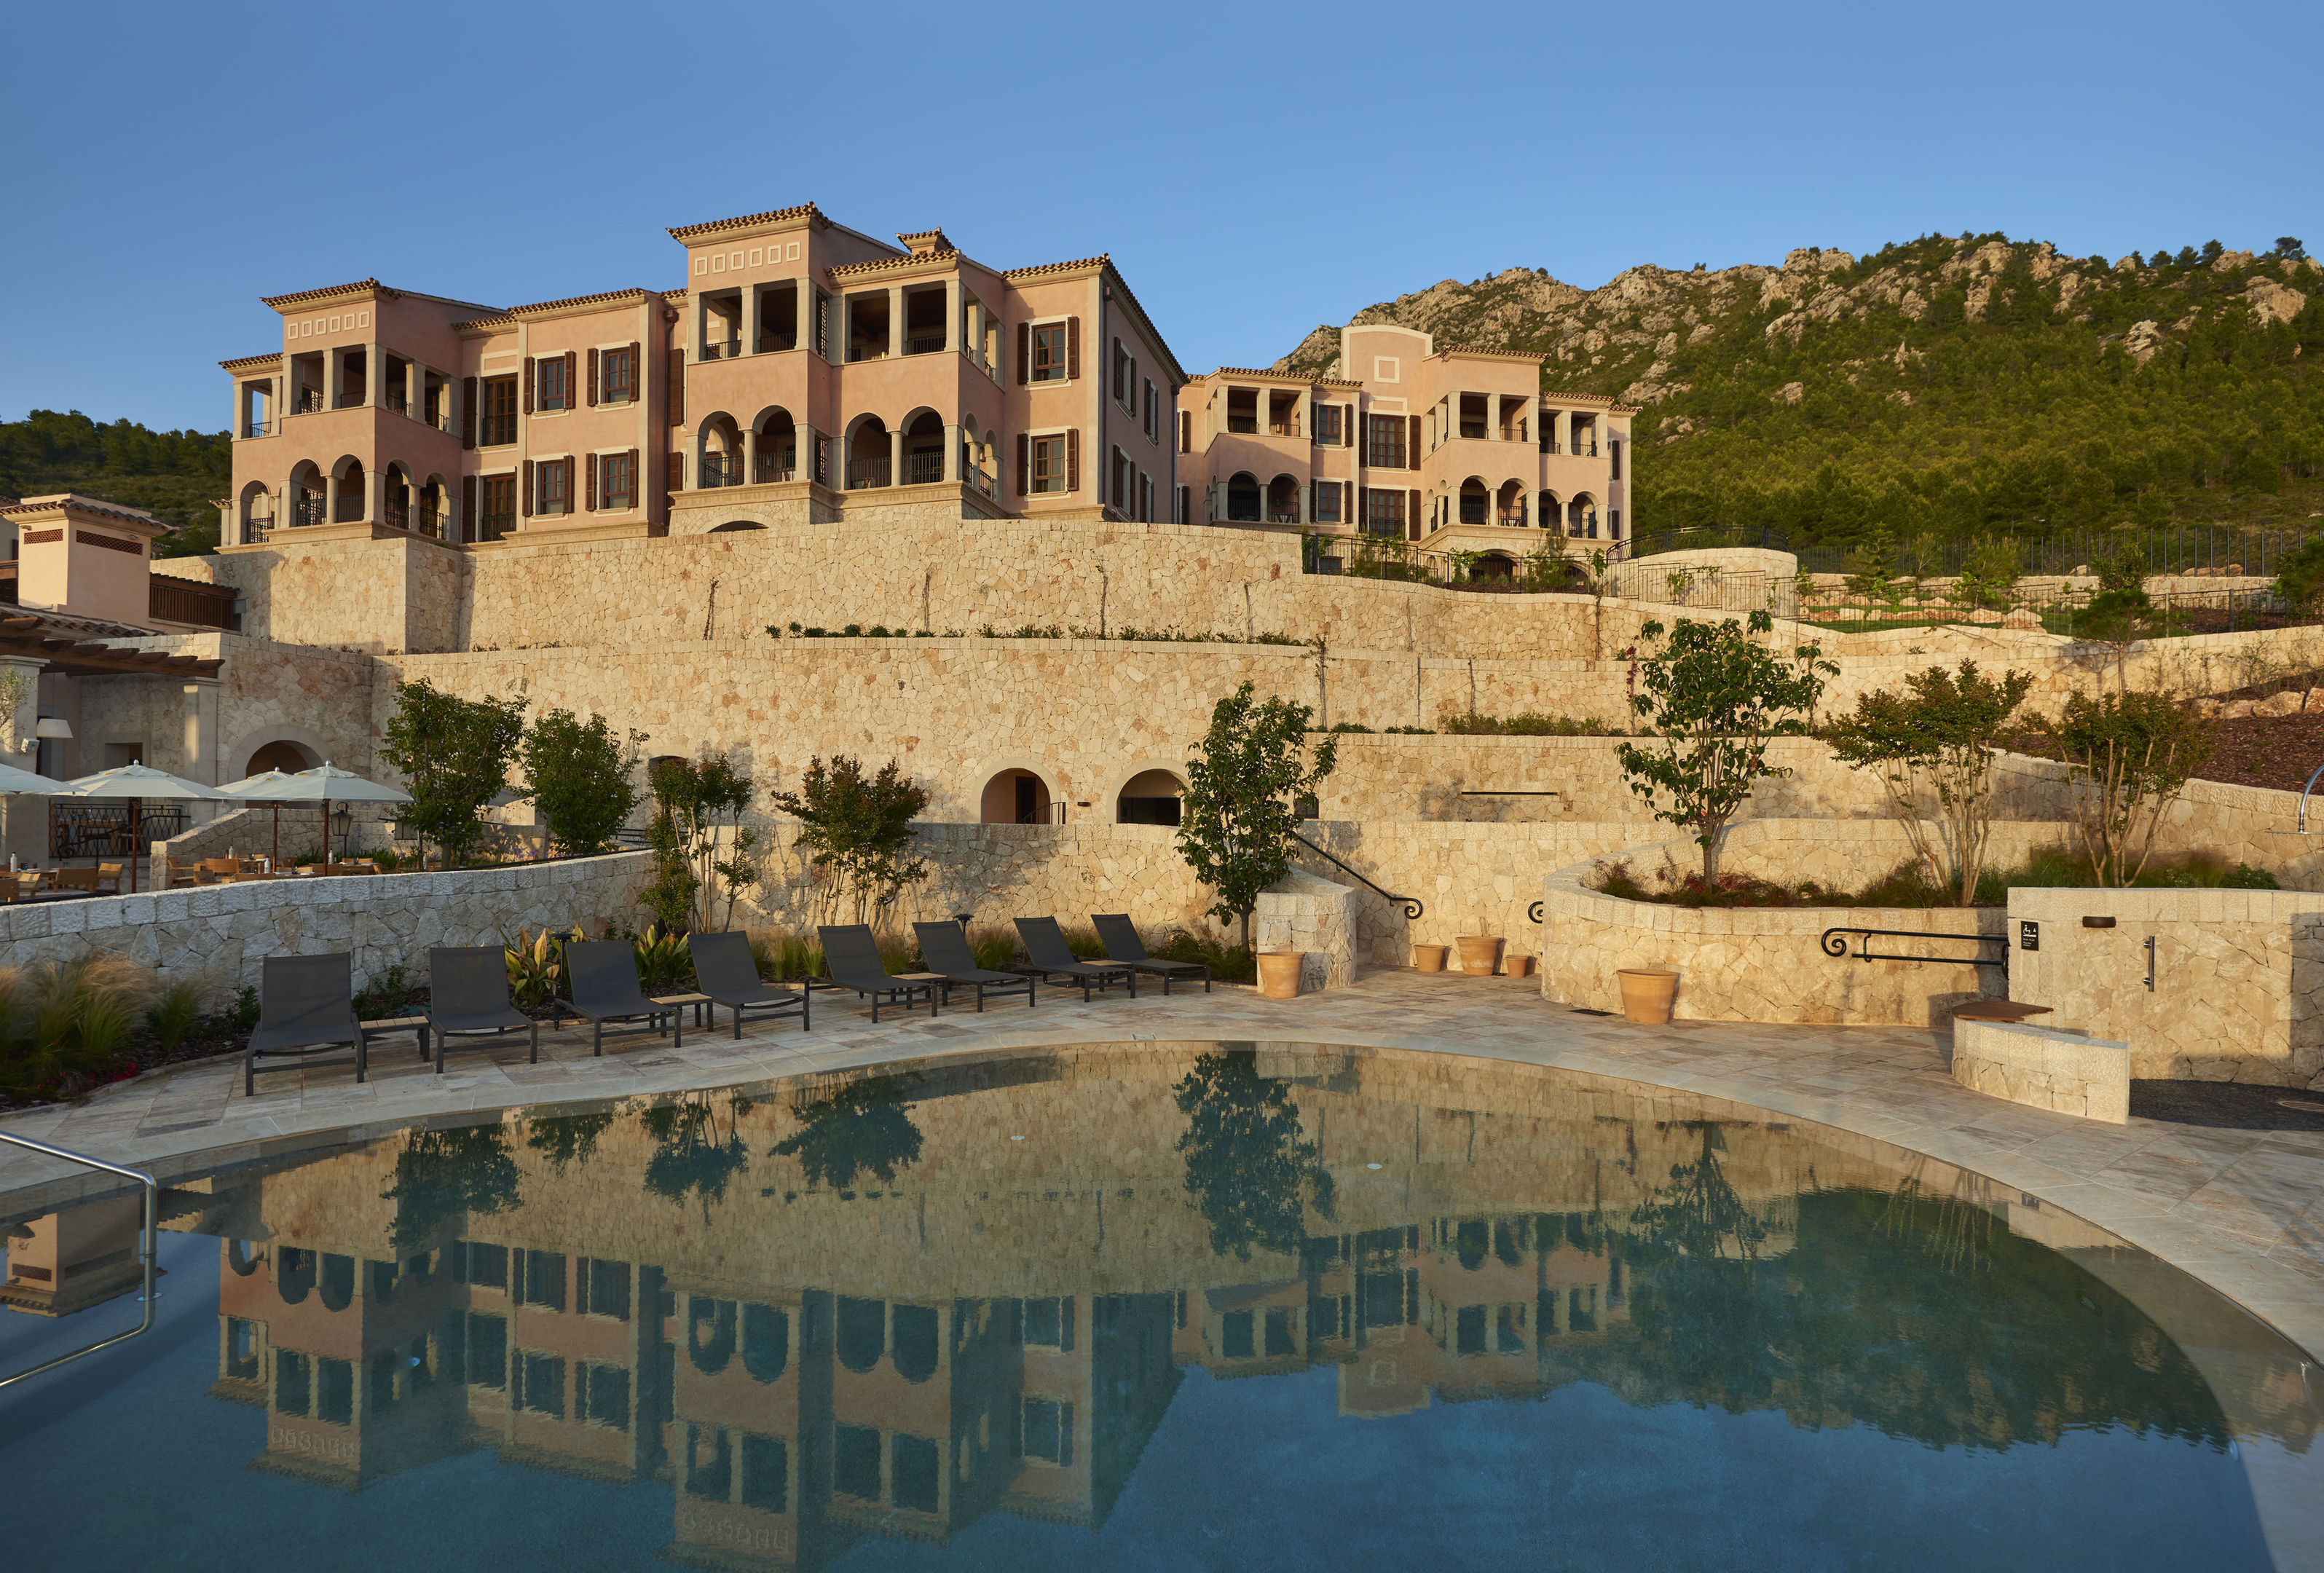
[[54, 727]]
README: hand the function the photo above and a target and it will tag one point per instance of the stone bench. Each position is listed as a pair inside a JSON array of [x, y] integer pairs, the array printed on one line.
[[2044, 1069]]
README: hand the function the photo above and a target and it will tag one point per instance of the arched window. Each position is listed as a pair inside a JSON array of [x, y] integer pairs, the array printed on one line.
[[1150, 798]]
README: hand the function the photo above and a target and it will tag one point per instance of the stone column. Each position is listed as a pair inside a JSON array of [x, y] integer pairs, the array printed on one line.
[[895, 320], [24, 821], [896, 457], [953, 325], [375, 378], [375, 493], [749, 452], [749, 319], [952, 461]]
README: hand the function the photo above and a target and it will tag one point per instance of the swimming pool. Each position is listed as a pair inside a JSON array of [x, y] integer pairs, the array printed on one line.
[[1139, 1306]]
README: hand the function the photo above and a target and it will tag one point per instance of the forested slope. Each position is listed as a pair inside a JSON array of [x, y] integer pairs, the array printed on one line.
[[174, 474]]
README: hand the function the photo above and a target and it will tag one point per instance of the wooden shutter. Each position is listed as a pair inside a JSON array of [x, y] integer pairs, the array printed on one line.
[[1185, 431], [527, 384], [1073, 347], [589, 483], [592, 378], [1133, 385], [678, 388], [674, 471], [524, 501], [571, 375], [637, 376], [467, 412], [467, 507], [1363, 520], [1024, 455], [1412, 512], [1412, 448], [1072, 458], [1024, 353]]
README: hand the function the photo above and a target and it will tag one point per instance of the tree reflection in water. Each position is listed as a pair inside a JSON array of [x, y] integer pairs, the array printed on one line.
[[566, 1139], [690, 1157], [864, 1127], [441, 1175], [1249, 1163]]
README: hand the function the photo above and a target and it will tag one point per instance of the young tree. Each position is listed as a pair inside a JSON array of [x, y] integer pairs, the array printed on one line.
[[1715, 699], [2121, 614], [1988, 577], [1931, 748], [578, 778], [1243, 788], [2299, 579], [2131, 755], [454, 754], [698, 803], [859, 827]]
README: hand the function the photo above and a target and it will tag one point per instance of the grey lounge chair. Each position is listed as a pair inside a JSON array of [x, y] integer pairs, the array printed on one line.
[[306, 1006], [605, 977], [1052, 958], [725, 972], [944, 947], [852, 957], [1119, 936], [468, 994]]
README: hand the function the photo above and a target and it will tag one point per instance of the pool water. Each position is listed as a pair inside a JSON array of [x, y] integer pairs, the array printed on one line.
[[1190, 1306]]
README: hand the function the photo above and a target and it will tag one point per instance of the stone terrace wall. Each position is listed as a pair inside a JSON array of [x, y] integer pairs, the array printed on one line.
[[2238, 991], [222, 932]]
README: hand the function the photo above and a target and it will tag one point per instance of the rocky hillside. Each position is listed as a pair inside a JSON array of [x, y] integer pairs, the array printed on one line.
[[1946, 386]]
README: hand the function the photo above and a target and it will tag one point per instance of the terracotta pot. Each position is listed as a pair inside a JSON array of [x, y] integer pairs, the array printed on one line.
[[1481, 954], [1429, 958], [1647, 993], [1278, 974], [1517, 964]]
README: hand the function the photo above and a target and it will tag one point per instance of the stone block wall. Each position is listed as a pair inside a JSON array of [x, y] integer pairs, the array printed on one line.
[[1316, 917], [2041, 1069], [221, 933], [2238, 991]]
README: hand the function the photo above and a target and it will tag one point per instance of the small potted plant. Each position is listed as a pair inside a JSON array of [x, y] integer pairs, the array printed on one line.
[[1481, 954], [1648, 994], [1278, 974], [1429, 958]]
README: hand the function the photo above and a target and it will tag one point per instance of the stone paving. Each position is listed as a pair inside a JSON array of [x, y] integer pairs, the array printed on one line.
[[2241, 1210]]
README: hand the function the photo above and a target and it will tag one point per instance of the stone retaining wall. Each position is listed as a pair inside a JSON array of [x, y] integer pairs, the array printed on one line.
[[2238, 991], [2041, 1069], [222, 932], [1316, 917]]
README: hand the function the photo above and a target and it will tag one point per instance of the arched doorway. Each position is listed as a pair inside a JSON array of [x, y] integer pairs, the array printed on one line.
[[283, 755], [1283, 500], [1242, 496], [1150, 798], [1017, 798], [735, 524]]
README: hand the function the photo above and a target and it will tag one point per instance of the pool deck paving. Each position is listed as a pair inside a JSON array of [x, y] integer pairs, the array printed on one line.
[[2241, 1210]]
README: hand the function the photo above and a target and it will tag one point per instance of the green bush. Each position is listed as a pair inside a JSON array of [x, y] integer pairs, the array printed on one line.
[[1526, 723], [1228, 963]]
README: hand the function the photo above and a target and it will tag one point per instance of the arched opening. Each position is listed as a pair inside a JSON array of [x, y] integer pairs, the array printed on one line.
[[1282, 499], [1510, 507], [915, 1339], [766, 1343], [778, 445], [435, 509], [1475, 501], [243, 1257], [924, 450], [306, 493], [1150, 798], [735, 524], [869, 451], [283, 755], [1550, 510], [294, 1274], [1016, 798], [1493, 565], [1242, 496], [1581, 517], [396, 498], [863, 1332], [709, 1333], [255, 514], [338, 1281], [385, 1277], [347, 485], [718, 446]]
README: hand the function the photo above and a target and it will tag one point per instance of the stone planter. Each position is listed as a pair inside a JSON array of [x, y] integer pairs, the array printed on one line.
[[1278, 974], [1648, 994], [1429, 958], [1481, 954]]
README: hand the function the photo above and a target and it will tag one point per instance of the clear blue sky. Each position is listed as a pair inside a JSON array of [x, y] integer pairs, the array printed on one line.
[[1253, 169]]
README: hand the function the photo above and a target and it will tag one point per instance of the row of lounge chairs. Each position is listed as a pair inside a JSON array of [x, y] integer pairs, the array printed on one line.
[[307, 1003]]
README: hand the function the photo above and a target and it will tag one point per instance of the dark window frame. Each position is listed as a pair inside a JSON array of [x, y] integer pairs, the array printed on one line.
[[1050, 476], [1050, 358], [618, 372], [550, 393], [496, 411]]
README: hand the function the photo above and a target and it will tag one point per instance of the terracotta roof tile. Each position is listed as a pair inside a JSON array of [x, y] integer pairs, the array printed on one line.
[[849, 270], [251, 363], [361, 286], [686, 232], [632, 293], [1102, 258]]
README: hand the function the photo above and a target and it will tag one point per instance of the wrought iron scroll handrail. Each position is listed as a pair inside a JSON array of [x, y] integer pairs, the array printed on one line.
[[1834, 944], [149, 1246], [1411, 904], [1534, 913]]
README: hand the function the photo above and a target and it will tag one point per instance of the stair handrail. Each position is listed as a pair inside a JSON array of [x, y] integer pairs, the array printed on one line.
[[1412, 906], [149, 1248]]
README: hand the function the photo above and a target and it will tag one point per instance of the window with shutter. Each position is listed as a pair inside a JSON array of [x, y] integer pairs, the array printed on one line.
[[467, 412], [1413, 447], [1024, 451], [630, 369], [1133, 385], [1073, 460], [1073, 350], [572, 377], [674, 471], [1186, 505], [1024, 351], [524, 501], [589, 483], [593, 379], [467, 530], [1185, 431], [528, 385], [1412, 512], [677, 390], [632, 490]]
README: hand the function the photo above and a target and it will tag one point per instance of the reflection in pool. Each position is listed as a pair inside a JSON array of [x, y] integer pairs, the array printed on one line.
[[1140, 1306]]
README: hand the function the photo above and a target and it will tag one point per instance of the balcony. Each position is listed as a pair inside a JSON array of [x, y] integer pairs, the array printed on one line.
[[863, 474], [1472, 511], [431, 522], [308, 403], [258, 428], [985, 482], [777, 466], [1246, 424], [349, 400], [923, 343], [714, 471], [350, 509], [205, 605], [772, 343], [1283, 428], [1517, 519], [1473, 429], [306, 510], [255, 531], [727, 350], [923, 469]]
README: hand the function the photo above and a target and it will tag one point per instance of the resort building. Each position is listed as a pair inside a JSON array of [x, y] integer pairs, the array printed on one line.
[[1449, 449], [803, 369]]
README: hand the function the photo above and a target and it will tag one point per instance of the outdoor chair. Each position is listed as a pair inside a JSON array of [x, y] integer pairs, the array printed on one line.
[[306, 1006], [605, 977], [852, 957], [1046, 948], [468, 994], [1120, 937], [944, 947], [725, 973], [75, 880], [108, 878]]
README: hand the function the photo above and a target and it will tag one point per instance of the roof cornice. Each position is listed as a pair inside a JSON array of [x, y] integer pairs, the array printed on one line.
[[805, 215]]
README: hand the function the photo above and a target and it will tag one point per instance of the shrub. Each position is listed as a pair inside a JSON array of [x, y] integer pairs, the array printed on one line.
[[699, 809], [780, 954], [536, 967], [454, 754], [176, 1010], [62, 1024], [665, 964], [1526, 723], [859, 827], [2131, 755], [392, 993], [1228, 963], [578, 778]]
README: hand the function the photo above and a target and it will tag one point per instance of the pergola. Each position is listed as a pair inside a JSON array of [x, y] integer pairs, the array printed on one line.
[[76, 646]]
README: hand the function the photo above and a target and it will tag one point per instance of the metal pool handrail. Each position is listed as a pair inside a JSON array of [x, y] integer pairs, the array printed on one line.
[[1411, 904], [1835, 945], [149, 1246]]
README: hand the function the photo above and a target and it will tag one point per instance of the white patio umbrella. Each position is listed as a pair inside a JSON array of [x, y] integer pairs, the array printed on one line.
[[266, 786], [137, 783], [327, 784], [17, 783]]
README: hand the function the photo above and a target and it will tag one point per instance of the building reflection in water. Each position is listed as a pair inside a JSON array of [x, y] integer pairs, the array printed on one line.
[[891, 1305]]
